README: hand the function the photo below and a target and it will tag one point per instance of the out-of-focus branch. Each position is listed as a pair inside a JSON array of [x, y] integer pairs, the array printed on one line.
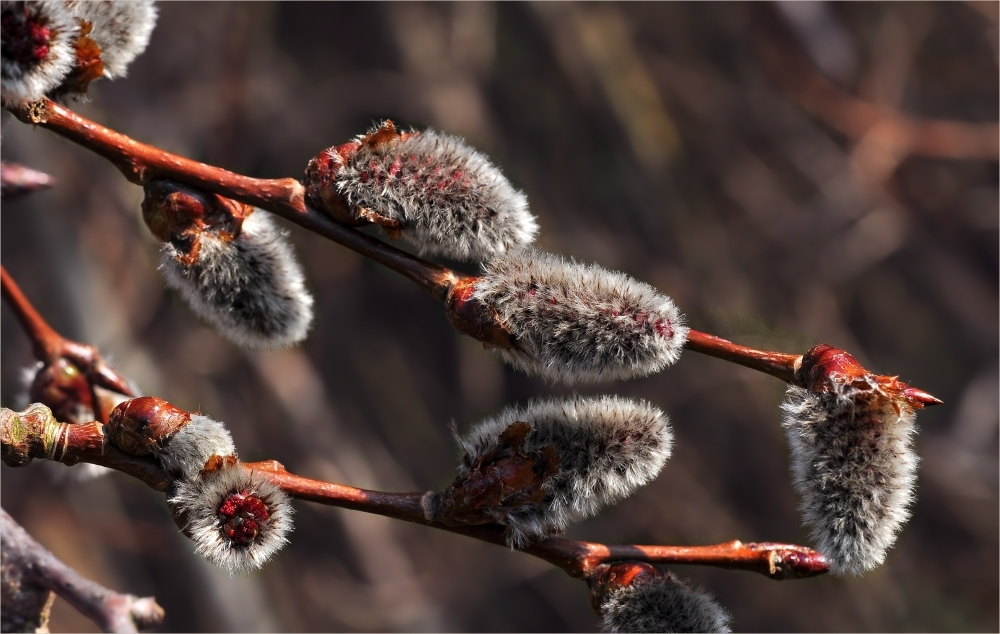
[[141, 164], [31, 573], [17, 180], [855, 117], [35, 434], [76, 367]]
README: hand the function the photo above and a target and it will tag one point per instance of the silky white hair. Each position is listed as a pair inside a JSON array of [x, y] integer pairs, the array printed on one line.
[[121, 29], [250, 290], [185, 453], [854, 467], [200, 498], [450, 199], [608, 447], [20, 83], [663, 604], [579, 323]]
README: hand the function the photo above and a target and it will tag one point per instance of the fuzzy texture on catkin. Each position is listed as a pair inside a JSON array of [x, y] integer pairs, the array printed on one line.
[[37, 49], [579, 323], [664, 604], [200, 499], [854, 468], [450, 200], [186, 452], [121, 29], [251, 290], [607, 447]]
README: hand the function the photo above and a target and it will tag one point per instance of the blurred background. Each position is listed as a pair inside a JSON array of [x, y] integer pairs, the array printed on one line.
[[790, 173]]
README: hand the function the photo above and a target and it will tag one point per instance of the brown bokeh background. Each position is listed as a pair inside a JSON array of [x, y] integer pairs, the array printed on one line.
[[769, 166]]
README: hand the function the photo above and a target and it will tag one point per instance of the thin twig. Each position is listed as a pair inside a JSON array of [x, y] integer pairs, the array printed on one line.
[[35, 434], [28, 565], [18, 180], [50, 347], [855, 117]]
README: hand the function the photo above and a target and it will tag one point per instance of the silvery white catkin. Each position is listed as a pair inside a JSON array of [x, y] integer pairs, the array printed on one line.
[[184, 455], [577, 322], [449, 198], [607, 447], [854, 468], [202, 500], [121, 29], [250, 290], [664, 604], [37, 49]]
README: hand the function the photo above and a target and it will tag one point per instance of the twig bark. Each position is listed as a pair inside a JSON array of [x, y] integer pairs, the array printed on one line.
[[35, 434], [31, 572]]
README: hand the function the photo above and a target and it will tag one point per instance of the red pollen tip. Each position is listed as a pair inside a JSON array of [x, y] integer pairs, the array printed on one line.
[[240, 516], [24, 39]]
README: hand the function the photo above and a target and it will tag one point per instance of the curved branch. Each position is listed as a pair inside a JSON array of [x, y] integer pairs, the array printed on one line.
[[35, 434], [28, 566]]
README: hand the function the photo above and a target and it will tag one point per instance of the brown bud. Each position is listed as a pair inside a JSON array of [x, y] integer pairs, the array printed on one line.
[[89, 65], [64, 388], [825, 368], [178, 214], [472, 317], [141, 425], [606, 578], [498, 482]]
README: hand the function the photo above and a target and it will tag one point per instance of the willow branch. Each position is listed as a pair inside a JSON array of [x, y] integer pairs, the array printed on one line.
[[855, 117], [46, 343], [141, 164], [35, 434], [50, 347], [29, 568]]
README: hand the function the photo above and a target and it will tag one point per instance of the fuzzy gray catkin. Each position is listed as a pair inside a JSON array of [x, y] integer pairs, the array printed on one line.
[[237, 519], [185, 453], [663, 604], [854, 468], [607, 448], [250, 290], [579, 323], [449, 199], [37, 49], [121, 29]]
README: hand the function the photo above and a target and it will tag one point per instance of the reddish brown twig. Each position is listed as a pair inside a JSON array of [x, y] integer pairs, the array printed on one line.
[[35, 434], [30, 572], [17, 180], [142, 164], [72, 370]]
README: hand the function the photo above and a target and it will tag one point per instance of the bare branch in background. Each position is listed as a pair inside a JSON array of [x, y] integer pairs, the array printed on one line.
[[31, 573]]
